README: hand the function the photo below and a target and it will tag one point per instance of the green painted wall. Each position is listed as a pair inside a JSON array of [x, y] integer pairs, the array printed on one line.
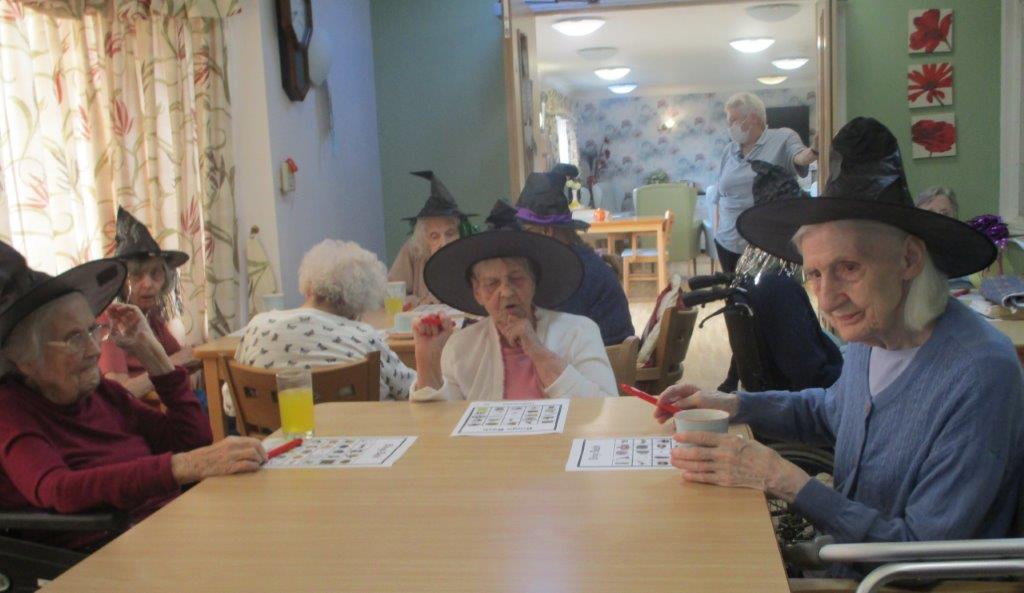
[[877, 60], [440, 105]]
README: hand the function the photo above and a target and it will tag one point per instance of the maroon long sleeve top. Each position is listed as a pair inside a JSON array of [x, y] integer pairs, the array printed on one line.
[[107, 450]]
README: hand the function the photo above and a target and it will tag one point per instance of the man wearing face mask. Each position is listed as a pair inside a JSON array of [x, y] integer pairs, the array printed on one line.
[[752, 140]]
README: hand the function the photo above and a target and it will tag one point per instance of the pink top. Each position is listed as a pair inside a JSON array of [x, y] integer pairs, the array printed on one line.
[[521, 379], [115, 360]]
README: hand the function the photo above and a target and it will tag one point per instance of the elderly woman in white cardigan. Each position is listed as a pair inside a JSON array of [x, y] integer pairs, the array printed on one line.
[[522, 349]]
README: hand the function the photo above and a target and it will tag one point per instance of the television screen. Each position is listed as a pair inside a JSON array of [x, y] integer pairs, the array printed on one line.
[[797, 118]]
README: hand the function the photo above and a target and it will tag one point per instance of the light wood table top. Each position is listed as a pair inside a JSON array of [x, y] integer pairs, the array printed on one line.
[[462, 514]]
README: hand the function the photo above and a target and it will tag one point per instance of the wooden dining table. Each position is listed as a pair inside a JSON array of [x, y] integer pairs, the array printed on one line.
[[215, 353], [631, 227], [454, 514]]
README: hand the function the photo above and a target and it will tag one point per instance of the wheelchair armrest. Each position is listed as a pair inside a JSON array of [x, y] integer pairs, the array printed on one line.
[[46, 521], [807, 554], [977, 549]]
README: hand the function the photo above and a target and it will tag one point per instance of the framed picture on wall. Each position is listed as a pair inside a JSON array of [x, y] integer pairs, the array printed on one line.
[[931, 31], [933, 135], [930, 85]]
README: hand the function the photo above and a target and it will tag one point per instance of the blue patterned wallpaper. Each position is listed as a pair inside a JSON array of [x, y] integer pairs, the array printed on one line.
[[690, 151]]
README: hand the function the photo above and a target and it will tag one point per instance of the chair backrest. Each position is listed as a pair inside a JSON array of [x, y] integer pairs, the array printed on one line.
[[255, 390], [623, 360], [681, 199], [673, 342]]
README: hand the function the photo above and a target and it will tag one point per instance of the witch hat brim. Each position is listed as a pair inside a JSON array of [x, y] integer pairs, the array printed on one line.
[[98, 281], [956, 249], [447, 273], [134, 241]]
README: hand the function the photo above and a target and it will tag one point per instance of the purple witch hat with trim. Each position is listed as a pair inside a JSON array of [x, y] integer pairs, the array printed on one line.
[[542, 202]]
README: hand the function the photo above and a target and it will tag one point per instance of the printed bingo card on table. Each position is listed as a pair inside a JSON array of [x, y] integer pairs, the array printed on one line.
[[621, 453], [499, 418], [340, 452]]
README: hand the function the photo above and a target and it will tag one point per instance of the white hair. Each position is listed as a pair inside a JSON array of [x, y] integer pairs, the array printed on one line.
[[746, 104], [24, 345], [418, 245], [933, 192], [345, 275], [928, 294]]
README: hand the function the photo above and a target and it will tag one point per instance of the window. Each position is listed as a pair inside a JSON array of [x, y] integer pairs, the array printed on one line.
[[562, 126], [1011, 166]]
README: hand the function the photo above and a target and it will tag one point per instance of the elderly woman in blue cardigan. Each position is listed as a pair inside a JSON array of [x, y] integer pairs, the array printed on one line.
[[927, 417]]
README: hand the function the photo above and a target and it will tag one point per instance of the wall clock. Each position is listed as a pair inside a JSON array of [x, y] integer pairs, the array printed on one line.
[[294, 30]]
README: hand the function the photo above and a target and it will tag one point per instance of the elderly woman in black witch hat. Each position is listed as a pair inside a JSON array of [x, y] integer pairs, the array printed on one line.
[[150, 286], [437, 224], [927, 417], [71, 441], [522, 349], [542, 209]]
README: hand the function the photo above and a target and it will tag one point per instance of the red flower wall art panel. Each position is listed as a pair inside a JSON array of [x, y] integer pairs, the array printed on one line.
[[933, 135], [931, 31], [930, 85]]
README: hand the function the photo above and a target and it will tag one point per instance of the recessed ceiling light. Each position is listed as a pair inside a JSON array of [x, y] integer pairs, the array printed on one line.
[[752, 45], [612, 72], [772, 80], [789, 63], [578, 26], [622, 89], [598, 53], [773, 13]]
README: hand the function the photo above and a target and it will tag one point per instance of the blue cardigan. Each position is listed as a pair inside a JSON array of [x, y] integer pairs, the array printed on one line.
[[936, 455], [600, 298]]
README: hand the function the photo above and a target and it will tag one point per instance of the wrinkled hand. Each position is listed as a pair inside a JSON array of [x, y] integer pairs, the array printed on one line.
[[686, 396], [128, 327], [731, 460], [430, 334], [232, 455], [518, 331]]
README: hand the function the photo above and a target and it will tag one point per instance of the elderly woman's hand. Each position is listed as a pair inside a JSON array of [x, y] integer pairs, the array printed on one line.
[[131, 332], [730, 460], [232, 455], [430, 334], [685, 396]]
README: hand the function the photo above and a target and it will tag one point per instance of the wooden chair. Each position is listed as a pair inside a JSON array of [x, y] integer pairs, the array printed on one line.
[[674, 333], [255, 391], [637, 256], [623, 359]]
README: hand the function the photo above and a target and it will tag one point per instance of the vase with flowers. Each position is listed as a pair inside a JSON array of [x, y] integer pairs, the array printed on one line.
[[596, 158]]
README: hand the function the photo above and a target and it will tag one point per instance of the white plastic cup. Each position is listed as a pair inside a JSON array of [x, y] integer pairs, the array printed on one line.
[[404, 321], [396, 289], [701, 420], [273, 301]]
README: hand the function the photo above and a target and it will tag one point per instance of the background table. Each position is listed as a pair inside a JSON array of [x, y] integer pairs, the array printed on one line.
[[636, 225], [494, 514], [215, 372]]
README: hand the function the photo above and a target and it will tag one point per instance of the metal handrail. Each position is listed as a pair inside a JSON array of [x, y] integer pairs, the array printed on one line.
[[879, 577], [977, 549]]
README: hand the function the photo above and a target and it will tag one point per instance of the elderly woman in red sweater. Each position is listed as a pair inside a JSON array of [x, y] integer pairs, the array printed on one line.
[[71, 441]]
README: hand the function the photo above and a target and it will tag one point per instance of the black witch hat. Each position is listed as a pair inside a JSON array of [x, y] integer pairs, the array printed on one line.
[[771, 183], [559, 270], [502, 216], [23, 290], [542, 202], [868, 184], [566, 170], [440, 202], [134, 241]]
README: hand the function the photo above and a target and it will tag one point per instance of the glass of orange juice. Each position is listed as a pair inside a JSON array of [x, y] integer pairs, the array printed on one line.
[[295, 400], [394, 299]]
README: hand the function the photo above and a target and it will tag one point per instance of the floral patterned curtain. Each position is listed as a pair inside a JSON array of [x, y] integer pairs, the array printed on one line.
[[109, 103]]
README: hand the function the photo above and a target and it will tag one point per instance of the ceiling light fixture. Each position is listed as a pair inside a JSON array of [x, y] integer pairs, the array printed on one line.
[[622, 89], [611, 72], [597, 53], [752, 45], [772, 80], [773, 13], [578, 26], [789, 63]]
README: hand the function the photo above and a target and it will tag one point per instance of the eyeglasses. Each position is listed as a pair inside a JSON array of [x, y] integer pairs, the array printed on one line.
[[77, 343]]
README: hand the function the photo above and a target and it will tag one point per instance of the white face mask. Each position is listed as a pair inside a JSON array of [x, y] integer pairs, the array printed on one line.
[[737, 134]]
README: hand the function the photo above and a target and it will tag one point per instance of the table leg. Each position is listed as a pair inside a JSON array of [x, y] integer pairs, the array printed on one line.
[[662, 261], [212, 378]]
